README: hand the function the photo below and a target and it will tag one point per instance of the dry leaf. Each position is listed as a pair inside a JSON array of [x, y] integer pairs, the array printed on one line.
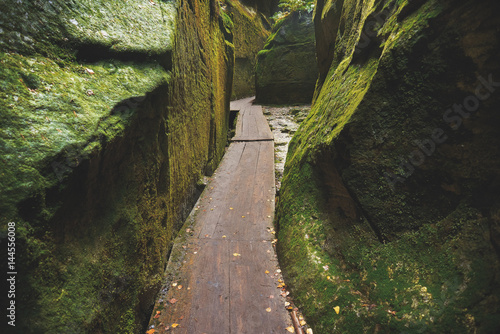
[[179, 287], [172, 301], [236, 254], [267, 271], [174, 325], [337, 309], [309, 331], [223, 236], [302, 323], [290, 329], [268, 309], [174, 284], [151, 331]]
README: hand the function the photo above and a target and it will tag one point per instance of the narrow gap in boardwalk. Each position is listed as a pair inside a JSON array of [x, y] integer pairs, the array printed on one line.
[[223, 273]]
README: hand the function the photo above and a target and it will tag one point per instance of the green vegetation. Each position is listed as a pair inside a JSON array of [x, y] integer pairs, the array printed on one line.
[[418, 258]]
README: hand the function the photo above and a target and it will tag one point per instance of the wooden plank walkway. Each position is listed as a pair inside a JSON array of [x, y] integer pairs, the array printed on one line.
[[223, 276]]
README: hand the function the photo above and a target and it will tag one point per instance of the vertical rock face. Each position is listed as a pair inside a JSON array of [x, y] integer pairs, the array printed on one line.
[[251, 30], [111, 111], [286, 69], [389, 203], [267, 7]]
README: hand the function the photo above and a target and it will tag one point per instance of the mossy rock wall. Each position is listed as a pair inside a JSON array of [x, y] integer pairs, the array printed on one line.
[[251, 30], [389, 204], [111, 111], [286, 70], [267, 7]]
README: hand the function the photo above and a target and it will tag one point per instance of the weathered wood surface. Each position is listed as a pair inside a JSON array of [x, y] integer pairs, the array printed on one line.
[[251, 124], [224, 260]]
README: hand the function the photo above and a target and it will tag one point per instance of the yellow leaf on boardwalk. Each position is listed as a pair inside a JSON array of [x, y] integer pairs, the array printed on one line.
[[236, 254], [337, 309], [290, 329], [268, 309]]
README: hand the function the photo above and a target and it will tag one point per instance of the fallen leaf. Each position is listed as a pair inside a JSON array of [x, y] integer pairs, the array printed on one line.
[[151, 331], [172, 301], [287, 304], [182, 317], [188, 230], [89, 71], [236, 254], [290, 329], [267, 271], [174, 284], [278, 270], [271, 296], [309, 331], [174, 325], [179, 287], [268, 309], [242, 216], [337, 309], [302, 322], [223, 236]]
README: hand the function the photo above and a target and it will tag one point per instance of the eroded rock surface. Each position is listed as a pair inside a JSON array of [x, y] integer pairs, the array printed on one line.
[[389, 203], [286, 71]]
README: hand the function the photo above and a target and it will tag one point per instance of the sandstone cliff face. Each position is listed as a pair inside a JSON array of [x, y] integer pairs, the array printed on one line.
[[389, 203], [111, 111], [286, 70], [251, 30]]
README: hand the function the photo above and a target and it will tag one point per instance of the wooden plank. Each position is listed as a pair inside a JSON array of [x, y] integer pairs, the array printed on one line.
[[240, 104], [212, 205], [222, 265], [202, 304], [234, 223], [252, 309]]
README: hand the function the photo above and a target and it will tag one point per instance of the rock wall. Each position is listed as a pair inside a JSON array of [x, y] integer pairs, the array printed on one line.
[[388, 211], [111, 112], [251, 30], [286, 70], [267, 7]]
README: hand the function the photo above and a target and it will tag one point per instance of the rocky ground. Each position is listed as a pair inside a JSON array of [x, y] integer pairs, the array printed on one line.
[[284, 122]]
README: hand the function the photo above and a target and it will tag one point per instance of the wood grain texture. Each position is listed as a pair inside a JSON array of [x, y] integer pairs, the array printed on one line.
[[226, 263]]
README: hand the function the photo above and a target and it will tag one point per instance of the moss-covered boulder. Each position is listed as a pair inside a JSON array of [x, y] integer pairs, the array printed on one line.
[[389, 203], [251, 30], [110, 113], [286, 69], [267, 7]]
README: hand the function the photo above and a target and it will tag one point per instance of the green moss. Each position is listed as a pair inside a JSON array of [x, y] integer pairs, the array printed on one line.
[[415, 258], [285, 67], [59, 110]]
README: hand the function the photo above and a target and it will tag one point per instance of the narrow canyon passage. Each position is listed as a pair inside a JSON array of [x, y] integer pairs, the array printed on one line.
[[223, 274]]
